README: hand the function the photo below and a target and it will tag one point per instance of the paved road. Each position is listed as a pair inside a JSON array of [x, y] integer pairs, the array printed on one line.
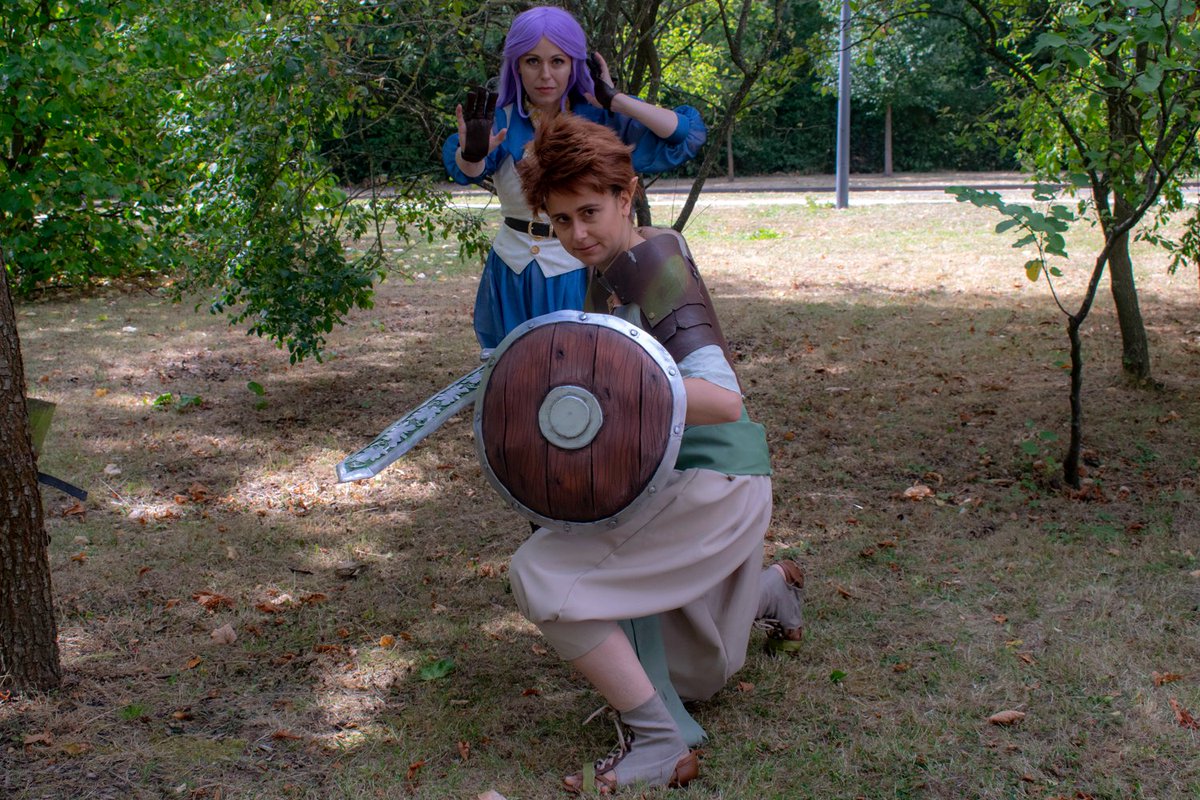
[[865, 189], [869, 189]]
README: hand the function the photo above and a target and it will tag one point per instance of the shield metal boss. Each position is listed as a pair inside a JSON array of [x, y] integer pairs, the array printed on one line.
[[578, 419]]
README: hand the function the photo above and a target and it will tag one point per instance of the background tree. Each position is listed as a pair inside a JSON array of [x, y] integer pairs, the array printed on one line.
[[920, 73], [28, 635], [186, 138], [1109, 101], [751, 37]]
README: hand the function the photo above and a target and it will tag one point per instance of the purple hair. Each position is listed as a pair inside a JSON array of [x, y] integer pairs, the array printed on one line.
[[526, 31]]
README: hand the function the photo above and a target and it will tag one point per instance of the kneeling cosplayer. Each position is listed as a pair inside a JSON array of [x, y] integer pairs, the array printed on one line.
[[693, 554]]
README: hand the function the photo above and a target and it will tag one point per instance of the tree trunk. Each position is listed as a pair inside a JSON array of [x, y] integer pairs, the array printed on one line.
[[1135, 348], [28, 636], [729, 153], [710, 153], [887, 141]]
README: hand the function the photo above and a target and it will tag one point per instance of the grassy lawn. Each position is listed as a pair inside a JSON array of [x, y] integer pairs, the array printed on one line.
[[910, 380]]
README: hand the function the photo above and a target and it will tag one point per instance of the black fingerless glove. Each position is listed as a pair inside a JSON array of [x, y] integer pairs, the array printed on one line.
[[478, 113], [603, 92]]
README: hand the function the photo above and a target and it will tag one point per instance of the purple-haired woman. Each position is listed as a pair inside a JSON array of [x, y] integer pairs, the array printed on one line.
[[547, 71]]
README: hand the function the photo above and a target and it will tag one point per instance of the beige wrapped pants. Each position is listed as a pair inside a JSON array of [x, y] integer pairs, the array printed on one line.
[[692, 555]]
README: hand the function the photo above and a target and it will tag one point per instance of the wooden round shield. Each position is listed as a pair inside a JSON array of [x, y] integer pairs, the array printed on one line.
[[578, 419]]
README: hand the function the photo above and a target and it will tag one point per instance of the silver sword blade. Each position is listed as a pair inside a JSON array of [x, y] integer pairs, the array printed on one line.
[[402, 435]]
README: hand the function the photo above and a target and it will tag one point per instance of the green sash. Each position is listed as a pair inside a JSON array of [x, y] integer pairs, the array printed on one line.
[[731, 448]]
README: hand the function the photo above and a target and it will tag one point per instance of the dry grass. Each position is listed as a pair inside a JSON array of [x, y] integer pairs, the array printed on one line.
[[883, 347]]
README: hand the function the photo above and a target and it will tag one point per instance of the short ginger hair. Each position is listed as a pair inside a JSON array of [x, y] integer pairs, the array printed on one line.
[[571, 154]]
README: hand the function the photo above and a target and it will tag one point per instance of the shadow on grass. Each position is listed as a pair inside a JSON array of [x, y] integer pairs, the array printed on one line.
[[997, 589]]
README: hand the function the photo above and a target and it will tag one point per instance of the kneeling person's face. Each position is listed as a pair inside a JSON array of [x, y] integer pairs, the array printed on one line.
[[593, 226]]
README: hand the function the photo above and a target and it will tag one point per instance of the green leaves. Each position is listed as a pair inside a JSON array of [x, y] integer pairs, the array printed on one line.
[[1043, 227], [143, 137]]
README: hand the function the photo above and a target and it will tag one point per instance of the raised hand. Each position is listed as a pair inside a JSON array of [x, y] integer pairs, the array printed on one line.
[[475, 125], [604, 91]]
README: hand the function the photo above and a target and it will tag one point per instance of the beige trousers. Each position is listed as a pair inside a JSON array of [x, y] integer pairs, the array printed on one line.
[[692, 555]]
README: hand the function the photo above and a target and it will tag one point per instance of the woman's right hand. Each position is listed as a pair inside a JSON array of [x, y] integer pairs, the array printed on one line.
[[475, 120]]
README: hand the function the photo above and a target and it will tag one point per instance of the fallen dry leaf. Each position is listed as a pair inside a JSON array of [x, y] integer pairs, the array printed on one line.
[[414, 768], [45, 738], [539, 650], [224, 634], [212, 601], [338, 649], [282, 735], [1165, 677], [464, 750], [193, 662], [1006, 717], [903, 667], [744, 686], [918, 491], [387, 640], [1183, 716], [77, 510], [76, 748], [844, 592], [198, 492], [531, 692], [313, 599]]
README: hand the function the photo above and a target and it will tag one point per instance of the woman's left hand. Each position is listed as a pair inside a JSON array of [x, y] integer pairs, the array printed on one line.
[[605, 92]]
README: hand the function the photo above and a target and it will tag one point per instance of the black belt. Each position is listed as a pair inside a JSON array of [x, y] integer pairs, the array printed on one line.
[[538, 229]]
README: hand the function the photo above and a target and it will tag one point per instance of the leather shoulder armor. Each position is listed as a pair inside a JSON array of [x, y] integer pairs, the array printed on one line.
[[660, 277]]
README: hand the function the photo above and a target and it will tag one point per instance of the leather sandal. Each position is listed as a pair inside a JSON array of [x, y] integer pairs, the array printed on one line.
[[785, 626], [602, 779], [646, 754]]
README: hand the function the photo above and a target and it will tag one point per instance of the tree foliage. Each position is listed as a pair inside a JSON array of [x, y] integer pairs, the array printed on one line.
[[1108, 100], [188, 138]]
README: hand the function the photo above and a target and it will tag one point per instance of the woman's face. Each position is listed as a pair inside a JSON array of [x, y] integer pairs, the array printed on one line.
[[545, 73], [593, 226]]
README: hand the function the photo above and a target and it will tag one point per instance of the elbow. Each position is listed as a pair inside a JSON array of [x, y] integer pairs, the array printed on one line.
[[734, 413], [729, 409]]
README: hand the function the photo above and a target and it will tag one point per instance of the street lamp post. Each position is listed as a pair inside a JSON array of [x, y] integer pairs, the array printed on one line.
[[843, 117]]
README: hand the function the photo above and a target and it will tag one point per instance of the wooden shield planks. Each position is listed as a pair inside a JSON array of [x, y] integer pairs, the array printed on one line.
[[570, 489], [559, 474], [515, 446]]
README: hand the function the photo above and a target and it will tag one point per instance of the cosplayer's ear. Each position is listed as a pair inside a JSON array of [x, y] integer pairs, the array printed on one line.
[[625, 199]]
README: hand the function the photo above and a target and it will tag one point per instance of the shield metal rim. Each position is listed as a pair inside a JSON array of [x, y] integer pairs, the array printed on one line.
[[666, 466]]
